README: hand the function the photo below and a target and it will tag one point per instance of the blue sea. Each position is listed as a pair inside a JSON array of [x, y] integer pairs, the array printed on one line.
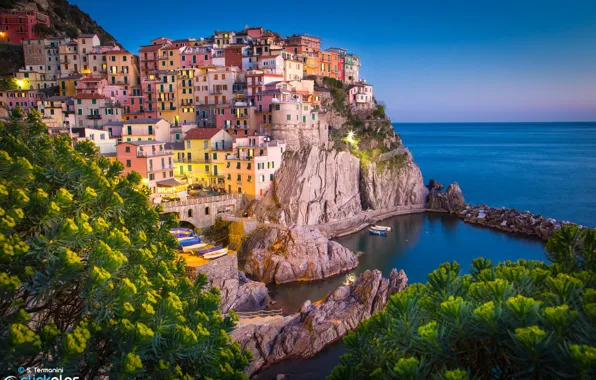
[[546, 168]]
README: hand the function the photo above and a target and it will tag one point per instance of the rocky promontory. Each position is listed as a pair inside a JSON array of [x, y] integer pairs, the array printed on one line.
[[315, 186], [504, 219], [306, 333], [280, 254]]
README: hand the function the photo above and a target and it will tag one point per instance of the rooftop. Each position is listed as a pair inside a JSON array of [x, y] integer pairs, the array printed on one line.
[[201, 133]]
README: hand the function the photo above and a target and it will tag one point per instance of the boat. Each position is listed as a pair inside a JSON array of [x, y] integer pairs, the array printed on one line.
[[381, 228], [216, 254], [189, 242], [210, 250], [182, 232], [194, 247], [186, 238], [377, 232]]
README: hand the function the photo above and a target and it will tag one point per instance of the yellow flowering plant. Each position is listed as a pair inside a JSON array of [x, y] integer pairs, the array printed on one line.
[[89, 276]]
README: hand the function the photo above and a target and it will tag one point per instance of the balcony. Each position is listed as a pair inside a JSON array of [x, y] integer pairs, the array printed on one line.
[[191, 161], [93, 117], [158, 169], [215, 92], [156, 153]]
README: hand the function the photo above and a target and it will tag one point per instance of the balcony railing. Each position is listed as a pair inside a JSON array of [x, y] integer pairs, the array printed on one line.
[[157, 169], [215, 92], [94, 117], [156, 153]]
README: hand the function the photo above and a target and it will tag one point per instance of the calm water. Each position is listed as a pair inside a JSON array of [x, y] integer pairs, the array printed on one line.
[[545, 168]]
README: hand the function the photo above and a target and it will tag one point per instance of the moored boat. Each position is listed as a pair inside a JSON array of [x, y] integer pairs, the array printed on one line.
[[204, 251], [216, 254], [377, 232], [194, 247], [189, 242], [381, 228]]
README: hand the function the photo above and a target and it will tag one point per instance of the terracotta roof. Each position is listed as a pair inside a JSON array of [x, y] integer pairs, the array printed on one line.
[[151, 48], [201, 133]]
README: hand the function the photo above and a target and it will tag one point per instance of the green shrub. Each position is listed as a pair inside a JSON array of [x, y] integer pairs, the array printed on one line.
[[89, 277], [514, 320]]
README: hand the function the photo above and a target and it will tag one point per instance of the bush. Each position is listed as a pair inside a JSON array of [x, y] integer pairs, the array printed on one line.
[[524, 319], [89, 279]]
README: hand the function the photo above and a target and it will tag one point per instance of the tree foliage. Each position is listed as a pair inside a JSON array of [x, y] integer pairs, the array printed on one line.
[[89, 280], [514, 320]]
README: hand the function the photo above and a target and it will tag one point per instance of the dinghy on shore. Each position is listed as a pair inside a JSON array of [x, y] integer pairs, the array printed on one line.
[[208, 250], [215, 254], [194, 247]]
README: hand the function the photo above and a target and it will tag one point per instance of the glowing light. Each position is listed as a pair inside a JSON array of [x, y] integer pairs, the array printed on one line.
[[350, 138], [20, 83]]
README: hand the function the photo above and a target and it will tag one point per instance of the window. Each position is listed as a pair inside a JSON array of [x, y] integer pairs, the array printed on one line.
[[189, 213], [205, 144], [151, 177], [190, 168], [206, 210], [289, 117], [188, 144], [79, 111], [239, 178], [78, 101], [127, 149], [128, 164]]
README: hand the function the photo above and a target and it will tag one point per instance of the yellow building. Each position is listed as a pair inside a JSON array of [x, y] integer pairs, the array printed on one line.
[[201, 160], [185, 97], [68, 84]]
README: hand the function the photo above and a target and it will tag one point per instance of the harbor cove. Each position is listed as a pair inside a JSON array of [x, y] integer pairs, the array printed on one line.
[[338, 193]]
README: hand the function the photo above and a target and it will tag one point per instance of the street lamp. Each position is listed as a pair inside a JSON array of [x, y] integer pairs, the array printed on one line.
[[20, 83]]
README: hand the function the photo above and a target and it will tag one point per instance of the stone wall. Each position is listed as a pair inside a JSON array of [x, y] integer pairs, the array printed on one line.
[[202, 212], [301, 135]]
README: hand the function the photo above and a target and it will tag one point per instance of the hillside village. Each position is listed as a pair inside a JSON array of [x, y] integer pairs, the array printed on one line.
[[209, 115]]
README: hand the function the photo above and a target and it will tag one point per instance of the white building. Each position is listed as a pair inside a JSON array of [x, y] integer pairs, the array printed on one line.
[[94, 110]]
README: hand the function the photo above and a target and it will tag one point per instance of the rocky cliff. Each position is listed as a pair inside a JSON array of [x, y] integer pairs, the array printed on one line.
[[279, 255], [304, 334], [236, 291], [316, 186], [66, 19]]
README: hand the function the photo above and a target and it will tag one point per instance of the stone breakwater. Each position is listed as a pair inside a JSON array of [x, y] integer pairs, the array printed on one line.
[[316, 325], [504, 219]]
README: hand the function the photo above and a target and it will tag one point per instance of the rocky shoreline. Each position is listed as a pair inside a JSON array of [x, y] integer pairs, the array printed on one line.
[[504, 219], [316, 325]]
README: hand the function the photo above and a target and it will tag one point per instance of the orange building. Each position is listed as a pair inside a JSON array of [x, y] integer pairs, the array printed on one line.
[[330, 64]]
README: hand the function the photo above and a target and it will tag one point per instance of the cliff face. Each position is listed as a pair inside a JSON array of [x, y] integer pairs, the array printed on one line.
[[315, 186], [304, 334], [279, 255], [394, 180]]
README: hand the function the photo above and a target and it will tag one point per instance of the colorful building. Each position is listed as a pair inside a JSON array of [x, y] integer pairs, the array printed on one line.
[[146, 129], [330, 64], [26, 99], [360, 96], [16, 26], [58, 113], [93, 110], [203, 158], [250, 169], [352, 69], [122, 69], [153, 162]]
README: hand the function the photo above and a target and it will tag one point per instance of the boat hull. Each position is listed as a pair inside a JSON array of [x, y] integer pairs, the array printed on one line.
[[216, 254], [195, 247]]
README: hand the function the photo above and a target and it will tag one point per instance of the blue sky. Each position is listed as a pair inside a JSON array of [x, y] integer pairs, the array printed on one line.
[[430, 61]]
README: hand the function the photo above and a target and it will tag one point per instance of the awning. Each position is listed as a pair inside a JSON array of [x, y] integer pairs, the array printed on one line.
[[171, 182]]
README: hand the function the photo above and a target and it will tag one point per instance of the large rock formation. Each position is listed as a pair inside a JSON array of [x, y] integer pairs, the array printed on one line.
[[304, 334], [236, 291], [316, 186], [451, 200], [279, 255], [393, 180]]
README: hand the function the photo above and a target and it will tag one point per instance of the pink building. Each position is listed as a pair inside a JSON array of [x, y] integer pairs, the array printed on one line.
[[235, 116], [17, 26], [151, 160], [196, 56], [26, 99]]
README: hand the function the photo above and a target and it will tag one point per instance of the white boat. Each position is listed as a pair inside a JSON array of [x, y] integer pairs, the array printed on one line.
[[194, 247], [216, 254], [377, 232], [380, 228], [186, 238]]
